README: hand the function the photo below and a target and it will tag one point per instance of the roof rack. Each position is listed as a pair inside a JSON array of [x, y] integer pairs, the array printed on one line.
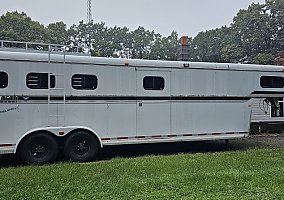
[[33, 47]]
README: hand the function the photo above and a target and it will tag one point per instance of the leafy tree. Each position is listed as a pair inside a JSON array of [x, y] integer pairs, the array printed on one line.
[[207, 46], [79, 35], [253, 31], [103, 41], [255, 36], [19, 27], [142, 41], [57, 33], [263, 59], [120, 40], [165, 48], [232, 53], [276, 10], [172, 46]]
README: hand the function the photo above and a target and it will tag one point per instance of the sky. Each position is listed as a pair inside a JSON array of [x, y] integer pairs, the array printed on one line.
[[187, 17]]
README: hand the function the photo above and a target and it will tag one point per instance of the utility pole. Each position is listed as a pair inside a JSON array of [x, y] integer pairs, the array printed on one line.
[[89, 11]]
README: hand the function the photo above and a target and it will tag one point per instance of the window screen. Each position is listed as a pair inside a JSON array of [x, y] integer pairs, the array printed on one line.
[[3, 79], [39, 81], [84, 82], [272, 82], [153, 83]]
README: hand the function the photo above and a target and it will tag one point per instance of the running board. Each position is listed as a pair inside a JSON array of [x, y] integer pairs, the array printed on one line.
[[171, 138]]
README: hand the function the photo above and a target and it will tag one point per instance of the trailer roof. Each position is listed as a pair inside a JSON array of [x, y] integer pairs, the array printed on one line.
[[44, 56]]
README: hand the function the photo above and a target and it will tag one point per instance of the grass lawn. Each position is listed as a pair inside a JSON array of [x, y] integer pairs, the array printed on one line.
[[251, 174]]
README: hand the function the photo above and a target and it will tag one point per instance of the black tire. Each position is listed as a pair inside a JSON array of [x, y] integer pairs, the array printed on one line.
[[39, 148], [81, 146]]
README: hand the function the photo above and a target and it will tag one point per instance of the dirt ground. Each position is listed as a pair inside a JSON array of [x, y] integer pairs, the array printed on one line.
[[273, 140]]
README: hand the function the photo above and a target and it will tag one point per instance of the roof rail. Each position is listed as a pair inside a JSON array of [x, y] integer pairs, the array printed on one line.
[[34, 47]]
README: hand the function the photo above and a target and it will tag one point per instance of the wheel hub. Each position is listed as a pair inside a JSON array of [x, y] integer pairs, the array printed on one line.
[[81, 148], [39, 151]]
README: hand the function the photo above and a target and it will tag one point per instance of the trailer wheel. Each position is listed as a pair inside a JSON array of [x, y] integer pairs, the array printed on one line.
[[39, 148], [81, 146]]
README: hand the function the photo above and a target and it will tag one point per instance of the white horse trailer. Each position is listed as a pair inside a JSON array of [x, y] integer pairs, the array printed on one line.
[[56, 102]]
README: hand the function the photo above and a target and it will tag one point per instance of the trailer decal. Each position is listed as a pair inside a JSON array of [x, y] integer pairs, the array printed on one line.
[[8, 110]]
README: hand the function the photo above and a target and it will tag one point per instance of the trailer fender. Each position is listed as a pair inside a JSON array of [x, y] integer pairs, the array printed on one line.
[[58, 132], [89, 130]]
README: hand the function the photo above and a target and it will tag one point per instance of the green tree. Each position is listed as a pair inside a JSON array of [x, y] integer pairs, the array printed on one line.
[[57, 33], [207, 46], [19, 27], [119, 41], [256, 34], [142, 41], [172, 46], [165, 48], [103, 41], [79, 35], [262, 58], [253, 31], [276, 10], [232, 53]]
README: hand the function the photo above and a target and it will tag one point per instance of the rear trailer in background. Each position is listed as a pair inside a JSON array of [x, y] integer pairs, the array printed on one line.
[[57, 102], [267, 117]]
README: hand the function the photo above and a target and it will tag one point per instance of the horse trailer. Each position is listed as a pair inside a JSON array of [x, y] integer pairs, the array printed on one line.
[[55, 102]]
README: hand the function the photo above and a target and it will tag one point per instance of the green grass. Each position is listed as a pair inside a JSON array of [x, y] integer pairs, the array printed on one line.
[[252, 174]]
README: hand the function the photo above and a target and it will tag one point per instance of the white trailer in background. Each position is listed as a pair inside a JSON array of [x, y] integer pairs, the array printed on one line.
[[267, 117], [53, 103]]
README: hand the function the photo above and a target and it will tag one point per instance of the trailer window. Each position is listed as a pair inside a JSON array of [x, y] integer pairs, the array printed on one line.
[[3, 79], [39, 80], [272, 82], [153, 83], [84, 82]]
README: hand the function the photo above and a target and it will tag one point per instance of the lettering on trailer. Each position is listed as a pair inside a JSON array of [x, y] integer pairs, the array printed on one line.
[[9, 99], [9, 109]]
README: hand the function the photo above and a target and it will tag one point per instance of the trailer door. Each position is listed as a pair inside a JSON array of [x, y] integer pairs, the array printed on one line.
[[153, 102], [56, 100]]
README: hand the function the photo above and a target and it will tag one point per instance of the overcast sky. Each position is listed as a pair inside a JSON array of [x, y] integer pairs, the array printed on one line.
[[187, 17]]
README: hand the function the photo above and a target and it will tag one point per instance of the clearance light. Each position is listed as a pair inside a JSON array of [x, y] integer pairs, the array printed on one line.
[[61, 133], [126, 63]]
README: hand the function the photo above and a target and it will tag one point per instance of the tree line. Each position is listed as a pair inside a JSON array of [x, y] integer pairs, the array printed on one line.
[[256, 35], [105, 41]]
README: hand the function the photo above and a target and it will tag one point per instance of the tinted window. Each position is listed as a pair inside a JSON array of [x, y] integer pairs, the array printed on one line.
[[3, 79], [272, 82], [39, 81], [153, 83], [84, 82]]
